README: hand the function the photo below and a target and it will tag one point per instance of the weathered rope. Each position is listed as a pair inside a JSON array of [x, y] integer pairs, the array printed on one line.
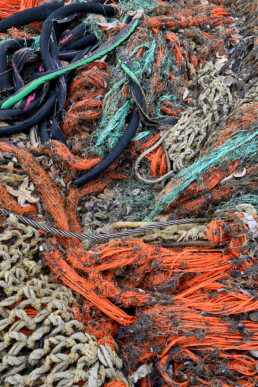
[[40, 341], [185, 139], [176, 233]]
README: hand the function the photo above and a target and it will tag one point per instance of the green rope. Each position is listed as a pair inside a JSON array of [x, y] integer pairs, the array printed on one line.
[[141, 135], [116, 123], [113, 113], [137, 49], [149, 55]]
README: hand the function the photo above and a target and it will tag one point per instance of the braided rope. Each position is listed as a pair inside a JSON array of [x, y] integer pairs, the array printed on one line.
[[176, 233], [185, 139], [40, 341]]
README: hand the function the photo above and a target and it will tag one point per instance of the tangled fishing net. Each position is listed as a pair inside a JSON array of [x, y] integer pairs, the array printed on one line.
[[159, 127]]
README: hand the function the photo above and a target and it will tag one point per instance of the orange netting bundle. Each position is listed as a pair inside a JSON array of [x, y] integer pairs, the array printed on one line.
[[8, 8], [86, 97], [179, 297], [62, 210], [157, 158], [214, 18]]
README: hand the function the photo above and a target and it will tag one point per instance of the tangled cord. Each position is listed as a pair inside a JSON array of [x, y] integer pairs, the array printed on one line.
[[40, 226]]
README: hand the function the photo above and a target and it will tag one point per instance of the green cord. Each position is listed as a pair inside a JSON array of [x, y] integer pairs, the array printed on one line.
[[10, 102], [127, 71]]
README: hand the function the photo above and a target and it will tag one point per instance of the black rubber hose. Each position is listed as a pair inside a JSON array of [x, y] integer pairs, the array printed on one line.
[[22, 111], [74, 56], [60, 83], [74, 34], [113, 156], [53, 53], [30, 15], [61, 27], [13, 44], [18, 113], [6, 81], [49, 43], [68, 10], [68, 55], [56, 133], [44, 133], [44, 127], [82, 53], [44, 112], [79, 44], [21, 56], [18, 60]]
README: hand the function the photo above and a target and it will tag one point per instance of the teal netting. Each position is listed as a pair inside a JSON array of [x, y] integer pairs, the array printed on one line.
[[116, 109], [94, 27], [115, 112], [233, 149], [245, 199], [146, 5]]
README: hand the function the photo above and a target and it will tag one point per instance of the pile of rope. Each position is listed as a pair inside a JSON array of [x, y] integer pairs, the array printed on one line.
[[41, 343]]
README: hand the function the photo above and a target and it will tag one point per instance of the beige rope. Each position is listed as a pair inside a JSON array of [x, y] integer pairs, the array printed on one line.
[[50, 348], [177, 233], [184, 141]]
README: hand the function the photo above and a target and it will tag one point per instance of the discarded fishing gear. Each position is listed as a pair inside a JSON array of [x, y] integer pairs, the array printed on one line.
[[183, 305], [53, 93], [41, 343], [44, 97]]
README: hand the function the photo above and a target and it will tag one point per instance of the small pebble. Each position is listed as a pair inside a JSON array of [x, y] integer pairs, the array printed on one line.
[[253, 316]]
